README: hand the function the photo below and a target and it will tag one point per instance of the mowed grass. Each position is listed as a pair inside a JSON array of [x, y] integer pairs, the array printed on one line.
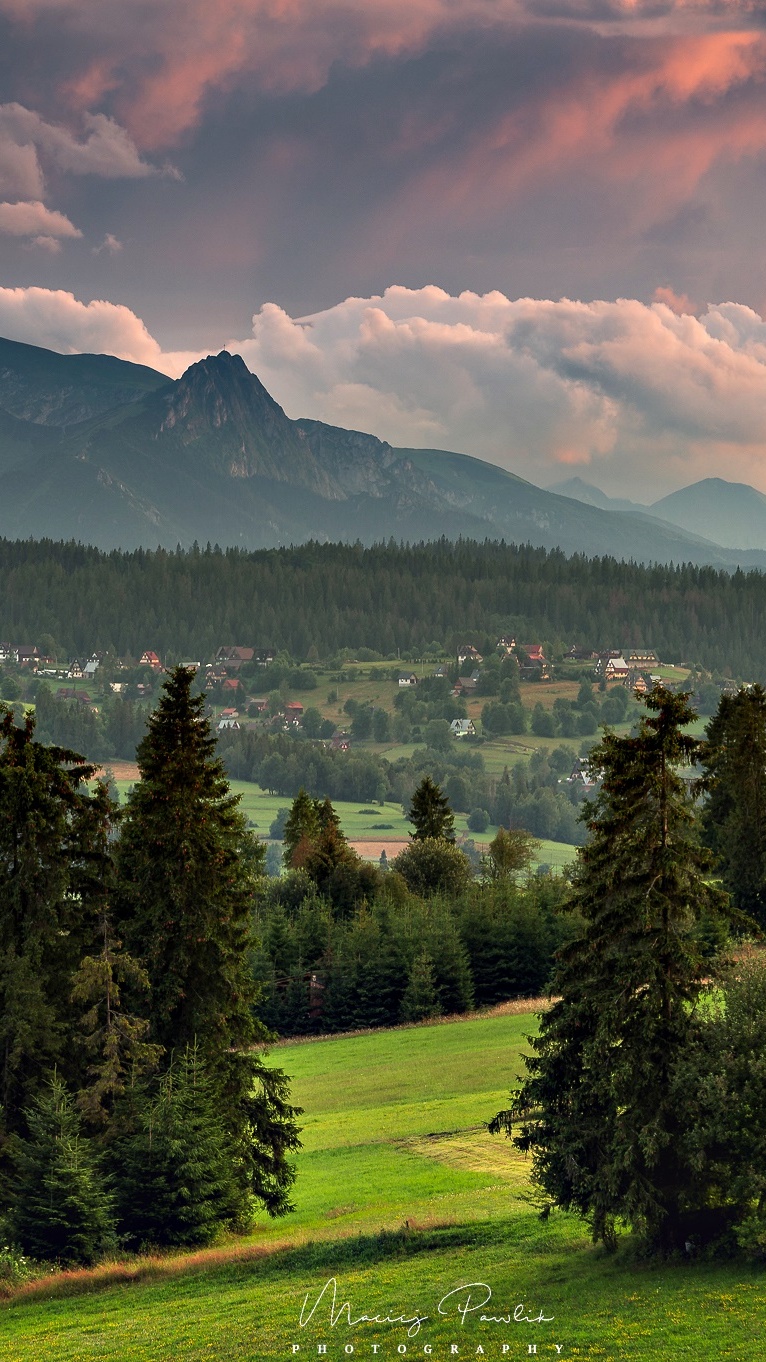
[[394, 1133]]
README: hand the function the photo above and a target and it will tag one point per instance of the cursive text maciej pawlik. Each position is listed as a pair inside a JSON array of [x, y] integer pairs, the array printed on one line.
[[469, 1300]]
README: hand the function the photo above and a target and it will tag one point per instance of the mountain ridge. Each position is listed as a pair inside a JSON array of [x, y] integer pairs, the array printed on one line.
[[213, 457]]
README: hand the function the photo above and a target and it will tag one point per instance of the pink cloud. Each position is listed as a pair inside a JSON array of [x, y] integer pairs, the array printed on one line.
[[34, 219]]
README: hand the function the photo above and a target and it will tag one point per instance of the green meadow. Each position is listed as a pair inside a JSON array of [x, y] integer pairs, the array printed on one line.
[[409, 1210]]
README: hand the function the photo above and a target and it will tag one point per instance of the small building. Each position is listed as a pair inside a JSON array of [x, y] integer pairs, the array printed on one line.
[[506, 645], [407, 679], [150, 659], [467, 653], [616, 669], [462, 728], [90, 668], [264, 656], [234, 653], [641, 657], [76, 670], [340, 740], [259, 704], [228, 722], [28, 656], [441, 673]]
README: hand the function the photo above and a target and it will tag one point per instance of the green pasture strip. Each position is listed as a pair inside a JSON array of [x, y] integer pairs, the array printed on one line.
[[601, 1308], [402, 1198]]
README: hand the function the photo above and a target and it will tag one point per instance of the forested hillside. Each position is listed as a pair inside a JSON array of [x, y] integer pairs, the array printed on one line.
[[320, 598]]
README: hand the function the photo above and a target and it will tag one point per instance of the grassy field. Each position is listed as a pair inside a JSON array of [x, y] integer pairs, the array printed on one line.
[[402, 1198]]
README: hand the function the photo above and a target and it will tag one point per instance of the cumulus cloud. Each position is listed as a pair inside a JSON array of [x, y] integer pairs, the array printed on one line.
[[111, 244], [33, 219], [634, 395], [641, 396], [59, 321]]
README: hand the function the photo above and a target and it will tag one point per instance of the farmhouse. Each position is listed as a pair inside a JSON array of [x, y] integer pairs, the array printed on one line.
[[407, 679], [150, 659], [462, 728]]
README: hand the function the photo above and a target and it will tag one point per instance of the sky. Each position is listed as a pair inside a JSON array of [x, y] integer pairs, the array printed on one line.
[[529, 230]]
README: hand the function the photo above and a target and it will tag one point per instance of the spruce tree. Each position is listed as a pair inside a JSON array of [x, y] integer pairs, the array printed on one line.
[[734, 820], [595, 1109], [176, 1184], [53, 854], [431, 813], [420, 999], [60, 1208], [301, 829], [184, 899]]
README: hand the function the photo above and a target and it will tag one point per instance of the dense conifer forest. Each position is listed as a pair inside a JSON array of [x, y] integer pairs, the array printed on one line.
[[320, 598]]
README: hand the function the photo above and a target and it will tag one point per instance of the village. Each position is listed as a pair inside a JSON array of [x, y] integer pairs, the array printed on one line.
[[247, 686]]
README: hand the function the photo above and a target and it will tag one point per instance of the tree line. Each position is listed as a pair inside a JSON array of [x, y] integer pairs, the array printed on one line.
[[643, 1098], [136, 1104], [392, 600]]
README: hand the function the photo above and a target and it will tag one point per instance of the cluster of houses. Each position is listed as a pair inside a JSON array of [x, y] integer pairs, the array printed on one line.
[[631, 666]]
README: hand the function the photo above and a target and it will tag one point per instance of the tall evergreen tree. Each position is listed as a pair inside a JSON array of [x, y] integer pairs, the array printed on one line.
[[60, 1209], [431, 813], [52, 853], [595, 1109], [184, 904], [734, 820], [176, 1184]]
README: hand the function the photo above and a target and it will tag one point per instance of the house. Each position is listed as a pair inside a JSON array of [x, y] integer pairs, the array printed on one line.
[[641, 657], [228, 722], [465, 685], [234, 653], [231, 686], [28, 656], [616, 669], [265, 656], [534, 651], [577, 654], [66, 693], [442, 672], [260, 705], [462, 728], [76, 671], [293, 713], [150, 659], [6, 652], [506, 645], [638, 681], [467, 653], [340, 741], [90, 668], [407, 679], [582, 775]]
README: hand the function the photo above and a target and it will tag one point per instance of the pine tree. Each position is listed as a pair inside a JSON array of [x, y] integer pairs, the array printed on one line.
[[431, 813], [595, 1109], [734, 820], [60, 1209], [184, 899]]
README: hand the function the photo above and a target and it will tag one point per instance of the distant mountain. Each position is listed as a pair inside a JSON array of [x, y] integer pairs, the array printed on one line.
[[114, 454], [732, 513], [579, 490]]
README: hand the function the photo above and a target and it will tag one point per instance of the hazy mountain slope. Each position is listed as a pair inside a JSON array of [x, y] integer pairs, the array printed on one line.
[[60, 390], [579, 490], [732, 513]]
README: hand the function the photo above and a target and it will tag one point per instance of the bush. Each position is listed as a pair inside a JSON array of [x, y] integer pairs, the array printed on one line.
[[478, 820]]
